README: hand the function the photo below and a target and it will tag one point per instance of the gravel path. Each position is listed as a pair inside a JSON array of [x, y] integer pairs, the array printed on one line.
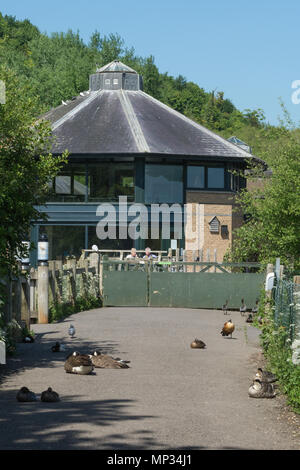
[[172, 397]]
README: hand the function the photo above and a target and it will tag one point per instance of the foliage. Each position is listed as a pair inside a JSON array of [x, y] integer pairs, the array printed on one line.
[[26, 166], [277, 350], [9, 334], [58, 311], [272, 206]]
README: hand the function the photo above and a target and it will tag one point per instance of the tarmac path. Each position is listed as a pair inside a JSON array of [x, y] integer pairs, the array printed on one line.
[[172, 397]]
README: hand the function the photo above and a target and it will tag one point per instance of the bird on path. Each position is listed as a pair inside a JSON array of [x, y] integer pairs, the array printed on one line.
[[255, 309], [243, 307], [224, 307], [265, 376], [198, 344], [261, 389], [49, 396], [77, 363], [72, 331], [103, 361], [25, 395], [58, 347], [228, 328], [249, 319]]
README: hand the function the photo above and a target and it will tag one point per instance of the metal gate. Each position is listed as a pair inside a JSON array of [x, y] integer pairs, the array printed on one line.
[[180, 284]]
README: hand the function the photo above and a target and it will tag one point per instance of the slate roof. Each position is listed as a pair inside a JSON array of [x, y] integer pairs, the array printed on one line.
[[123, 122]]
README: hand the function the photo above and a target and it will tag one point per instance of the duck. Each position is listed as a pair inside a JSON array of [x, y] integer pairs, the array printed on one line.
[[49, 396], [72, 331], [228, 328], [224, 307], [249, 319], [261, 389], [77, 363], [58, 347], [25, 395], [103, 361], [265, 376], [198, 344], [243, 307]]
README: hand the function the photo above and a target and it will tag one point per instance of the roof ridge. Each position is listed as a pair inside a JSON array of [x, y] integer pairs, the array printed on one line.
[[133, 122]]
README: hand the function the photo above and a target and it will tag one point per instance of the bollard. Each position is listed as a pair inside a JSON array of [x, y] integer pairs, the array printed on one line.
[[43, 293]]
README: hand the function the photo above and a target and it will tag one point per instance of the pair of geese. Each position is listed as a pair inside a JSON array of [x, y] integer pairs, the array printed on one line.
[[48, 396], [263, 385], [84, 364], [228, 329]]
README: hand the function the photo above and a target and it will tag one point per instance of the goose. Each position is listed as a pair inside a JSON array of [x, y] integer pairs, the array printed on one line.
[[228, 328], [224, 307], [255, 309], [77, 363], [49, 396], [25, 395], [104, 361], [58, 347], [261, 389], [198, 344], [243, 307], [265, 376], [72, 331]]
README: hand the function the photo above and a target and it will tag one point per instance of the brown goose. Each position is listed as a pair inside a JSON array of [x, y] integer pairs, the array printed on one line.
[[228, 328], [77, 363], [198, 344], [104, 361], [261, 389], [49, 396]]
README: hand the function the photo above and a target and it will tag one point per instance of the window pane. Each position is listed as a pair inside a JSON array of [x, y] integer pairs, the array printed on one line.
[[195, 177], [163, 183], [108, 181], [69, 185], [215, 178], [108, 244], [65, 240]]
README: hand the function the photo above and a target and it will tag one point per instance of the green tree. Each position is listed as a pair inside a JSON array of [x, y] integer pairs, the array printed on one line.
[[26, 166]]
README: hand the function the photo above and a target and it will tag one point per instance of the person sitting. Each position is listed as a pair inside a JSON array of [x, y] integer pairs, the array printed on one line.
[[148, 254], [132, 254]]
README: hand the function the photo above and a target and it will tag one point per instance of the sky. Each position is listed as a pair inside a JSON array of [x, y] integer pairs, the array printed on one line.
[[248, 49]]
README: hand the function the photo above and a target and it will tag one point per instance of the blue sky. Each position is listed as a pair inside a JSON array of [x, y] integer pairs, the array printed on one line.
[[249, 50]]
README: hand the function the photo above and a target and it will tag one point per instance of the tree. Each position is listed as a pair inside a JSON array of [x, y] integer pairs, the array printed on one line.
[[273, 229], [26, 166]]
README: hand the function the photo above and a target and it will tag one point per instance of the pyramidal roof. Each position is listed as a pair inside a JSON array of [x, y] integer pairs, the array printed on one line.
[[116, 117], [116, 66]]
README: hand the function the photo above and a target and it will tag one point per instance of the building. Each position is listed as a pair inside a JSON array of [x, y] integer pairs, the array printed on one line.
[[123, 142]]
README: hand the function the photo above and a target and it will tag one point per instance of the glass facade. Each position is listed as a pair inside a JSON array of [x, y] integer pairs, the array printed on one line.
[[205, 177], [163, 184], [70, 185], [108, 181], [65, 240]]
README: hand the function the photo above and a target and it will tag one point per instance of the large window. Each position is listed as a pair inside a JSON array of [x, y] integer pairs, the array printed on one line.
[[163, 184], [108, 181], [205, 177]]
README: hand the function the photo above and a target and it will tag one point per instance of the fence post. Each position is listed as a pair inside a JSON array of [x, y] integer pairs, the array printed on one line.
[[25, 301], [43, 293]]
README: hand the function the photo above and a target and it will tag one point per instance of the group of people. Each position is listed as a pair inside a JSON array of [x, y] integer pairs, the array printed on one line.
[[148, 254]]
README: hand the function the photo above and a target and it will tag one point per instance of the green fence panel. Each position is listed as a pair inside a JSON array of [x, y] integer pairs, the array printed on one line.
[[204, 290], [125, 289]]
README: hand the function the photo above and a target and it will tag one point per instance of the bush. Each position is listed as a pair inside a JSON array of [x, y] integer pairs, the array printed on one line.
[[276, 344], [58, 311]]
